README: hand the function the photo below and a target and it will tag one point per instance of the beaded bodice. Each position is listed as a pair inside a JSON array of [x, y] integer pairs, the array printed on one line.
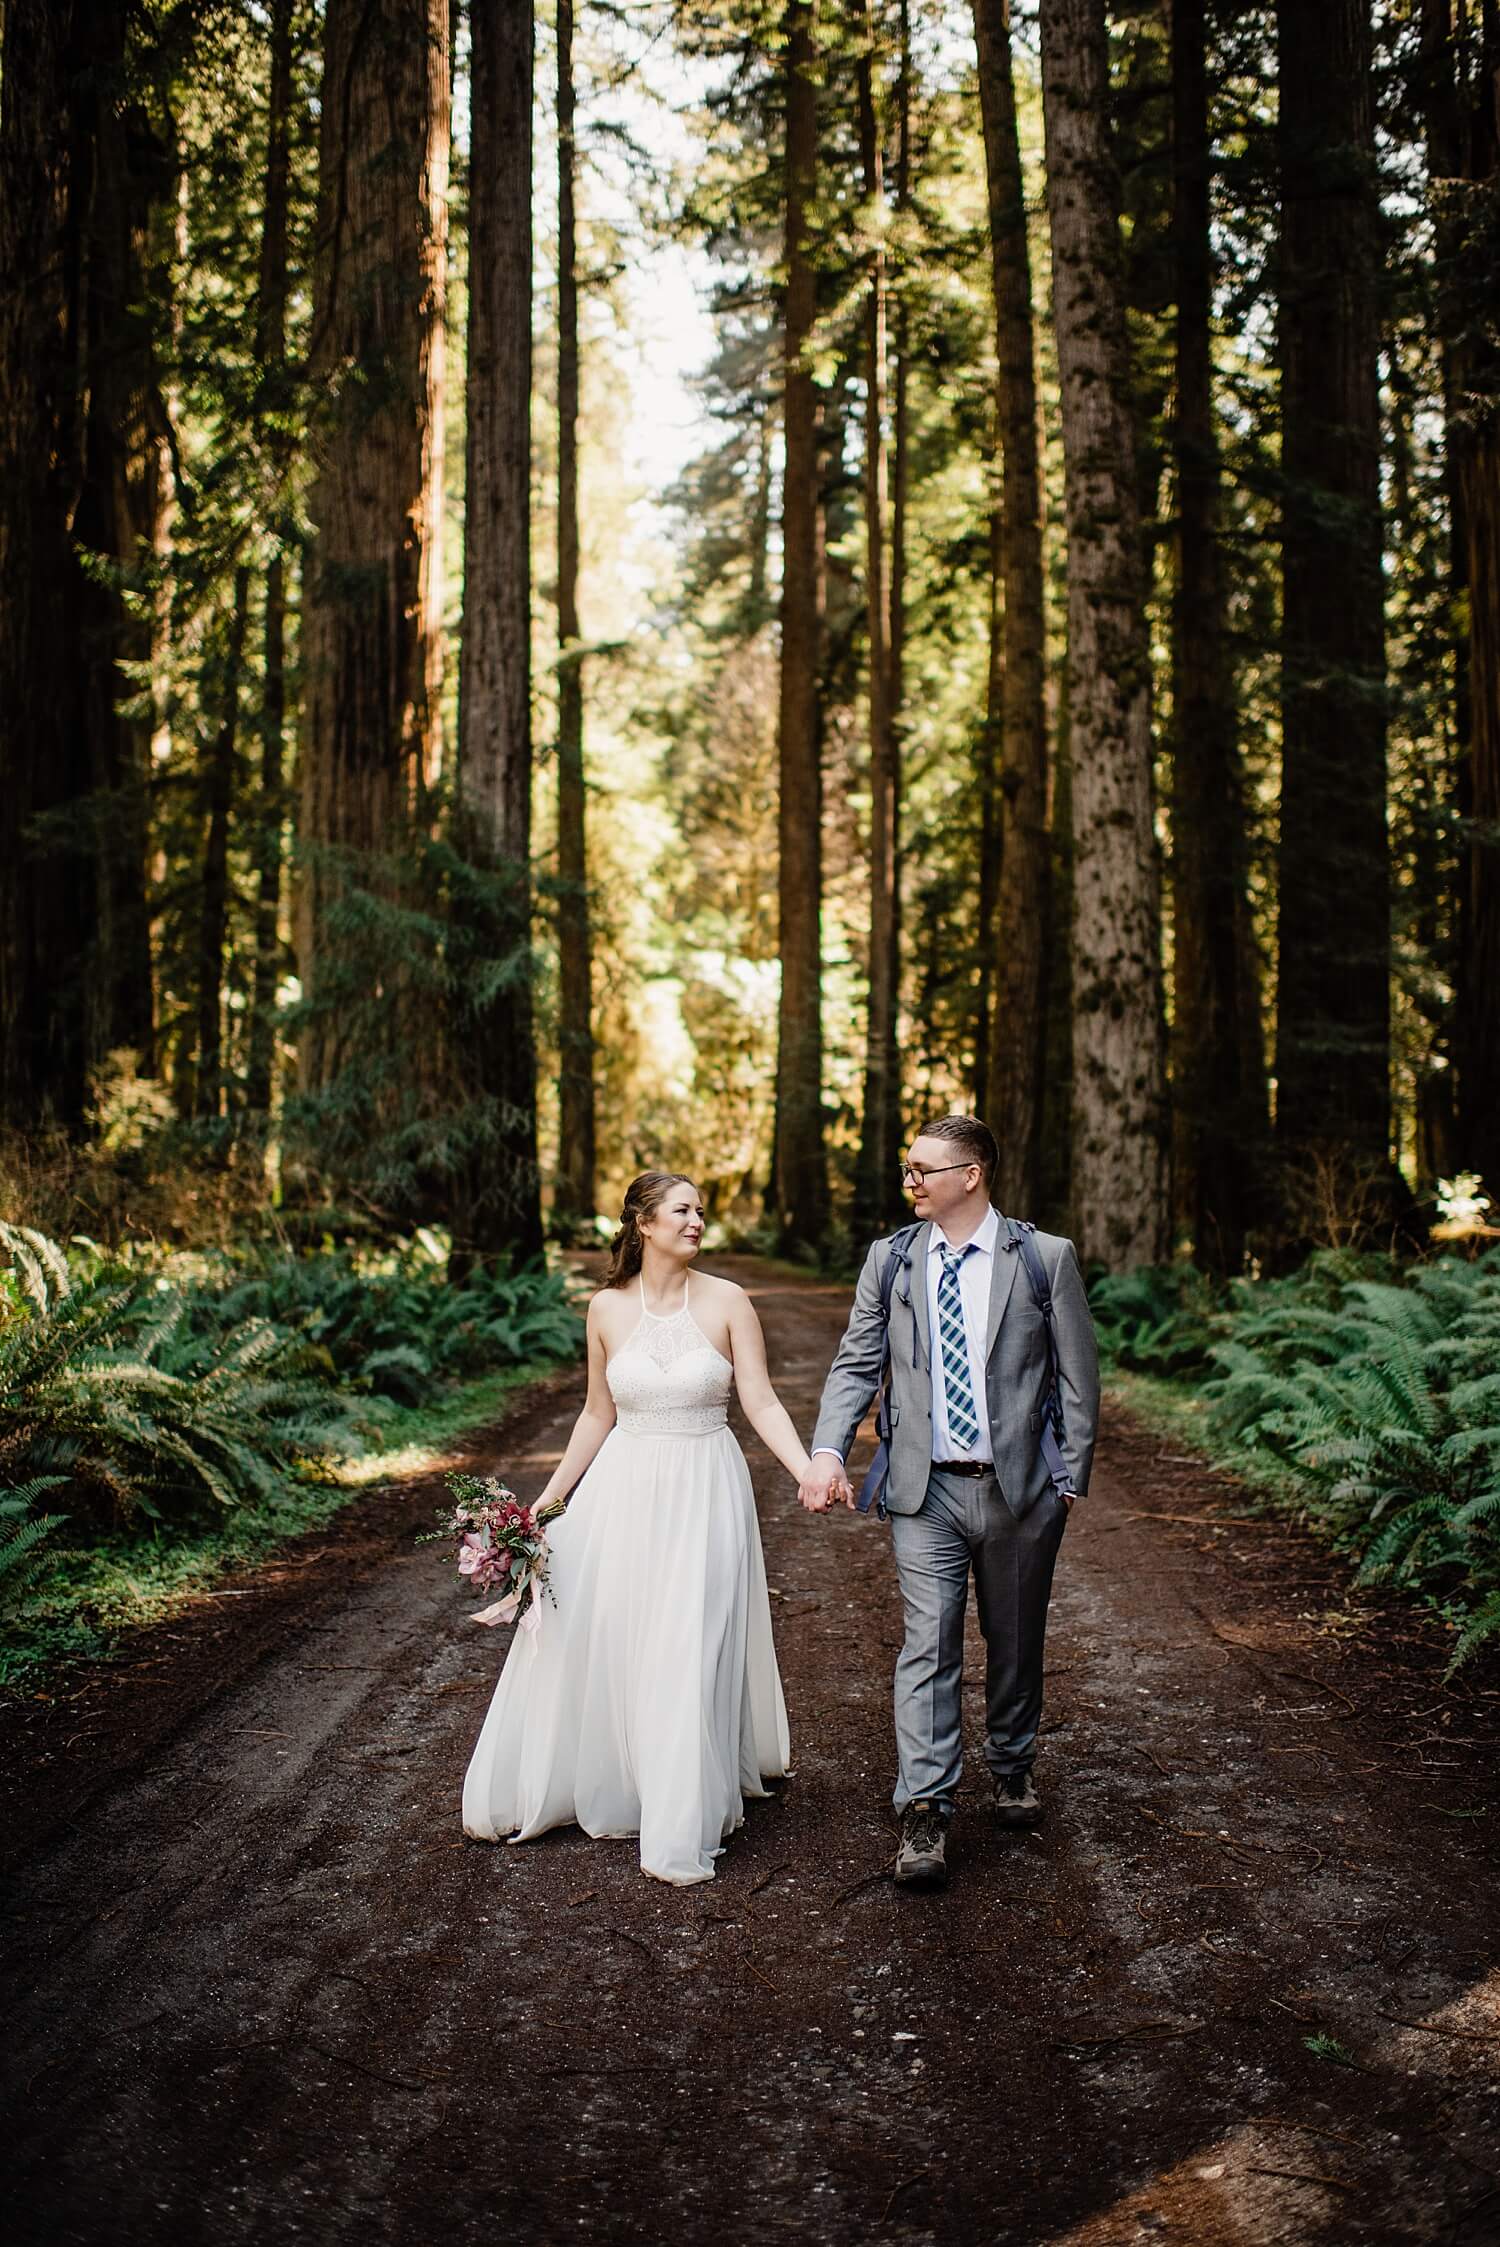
[[668, 1379]]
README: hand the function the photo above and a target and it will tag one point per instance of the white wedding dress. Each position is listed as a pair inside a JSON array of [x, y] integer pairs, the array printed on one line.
[[647, 1700]]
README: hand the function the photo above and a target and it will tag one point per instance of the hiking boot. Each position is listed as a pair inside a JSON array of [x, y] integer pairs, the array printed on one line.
[[1017, 1802], [919, 1860]]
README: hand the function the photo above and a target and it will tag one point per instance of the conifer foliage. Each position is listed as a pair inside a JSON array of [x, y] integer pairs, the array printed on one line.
[[1059, 674]]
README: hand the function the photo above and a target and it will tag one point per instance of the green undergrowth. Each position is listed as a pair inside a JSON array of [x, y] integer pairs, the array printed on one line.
[[165, 1420], [1360, 1394], [85, 1597]]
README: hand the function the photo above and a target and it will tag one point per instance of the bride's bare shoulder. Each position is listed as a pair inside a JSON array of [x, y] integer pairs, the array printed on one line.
[[722, 1293]]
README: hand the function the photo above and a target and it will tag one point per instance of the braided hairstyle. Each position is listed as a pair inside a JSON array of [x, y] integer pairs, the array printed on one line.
[[643, 1196]]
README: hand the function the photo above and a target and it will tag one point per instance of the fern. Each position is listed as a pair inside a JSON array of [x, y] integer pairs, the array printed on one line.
[[1154, 1320], [22, 1533], [1384, 1399], [1481, 1626], [109, 1383]]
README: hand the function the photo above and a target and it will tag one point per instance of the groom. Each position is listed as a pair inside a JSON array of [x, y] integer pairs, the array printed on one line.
[[968, 1487]]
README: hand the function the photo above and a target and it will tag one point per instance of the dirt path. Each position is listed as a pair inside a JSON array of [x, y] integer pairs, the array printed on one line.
[[262, 1991]]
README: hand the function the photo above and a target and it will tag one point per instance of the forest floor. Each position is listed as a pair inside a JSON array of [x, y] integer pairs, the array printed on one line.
[[1241, 1987]]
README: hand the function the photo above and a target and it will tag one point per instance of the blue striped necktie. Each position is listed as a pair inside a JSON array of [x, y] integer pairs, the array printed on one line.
[[958, 1389]]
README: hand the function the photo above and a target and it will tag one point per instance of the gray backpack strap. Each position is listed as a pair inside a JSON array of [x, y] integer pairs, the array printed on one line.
[[871, 1489], [1052, 1411]]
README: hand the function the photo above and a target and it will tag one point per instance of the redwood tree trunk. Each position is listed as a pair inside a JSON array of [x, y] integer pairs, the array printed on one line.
[[1219, 1082], [373, 595], [900, 489], [1462, 71], [801, 1179], [270, 348], [875, 1180], [114, 524], [498, 1208], [575, 1166], [1333, 1013], [48, 901], [989, 748], [1119, 1186], [213, 922], [1013, 1093], [80, 490]]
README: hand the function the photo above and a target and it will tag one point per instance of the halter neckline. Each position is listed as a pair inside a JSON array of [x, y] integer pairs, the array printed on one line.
[[664, 1317]]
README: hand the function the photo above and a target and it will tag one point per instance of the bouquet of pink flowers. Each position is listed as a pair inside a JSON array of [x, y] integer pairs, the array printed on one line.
[[502, 1546]]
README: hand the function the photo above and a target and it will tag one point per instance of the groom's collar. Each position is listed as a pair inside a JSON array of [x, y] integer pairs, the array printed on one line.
[[984, 1240]]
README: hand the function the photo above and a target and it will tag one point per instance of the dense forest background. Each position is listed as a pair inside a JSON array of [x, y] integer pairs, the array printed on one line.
[[1058, 671]]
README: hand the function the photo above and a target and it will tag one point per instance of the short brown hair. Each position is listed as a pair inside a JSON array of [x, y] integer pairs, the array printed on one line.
[[974, 1141]]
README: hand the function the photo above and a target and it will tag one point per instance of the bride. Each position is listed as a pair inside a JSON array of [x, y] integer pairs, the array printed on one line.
[[647, 1701]]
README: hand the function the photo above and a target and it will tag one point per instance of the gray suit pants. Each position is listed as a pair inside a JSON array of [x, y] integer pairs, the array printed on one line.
[[964, 1523]]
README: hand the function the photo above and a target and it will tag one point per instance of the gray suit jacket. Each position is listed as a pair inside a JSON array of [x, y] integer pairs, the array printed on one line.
[[1015, 1370]]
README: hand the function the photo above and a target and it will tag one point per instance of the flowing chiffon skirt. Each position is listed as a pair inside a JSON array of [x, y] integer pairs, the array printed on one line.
[[647, 1700]]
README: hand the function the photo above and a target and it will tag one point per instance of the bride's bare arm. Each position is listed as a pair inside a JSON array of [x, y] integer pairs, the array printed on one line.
[[763, 1409], [593, 1423]]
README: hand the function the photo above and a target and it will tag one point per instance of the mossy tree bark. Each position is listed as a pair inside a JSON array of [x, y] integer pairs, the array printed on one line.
[[1119, 1175]]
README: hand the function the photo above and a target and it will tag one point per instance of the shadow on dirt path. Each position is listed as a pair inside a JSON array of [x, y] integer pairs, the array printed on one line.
[[1241, 1987]]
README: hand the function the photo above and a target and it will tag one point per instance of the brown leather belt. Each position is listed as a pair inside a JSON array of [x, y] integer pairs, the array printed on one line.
[[963, 1467]]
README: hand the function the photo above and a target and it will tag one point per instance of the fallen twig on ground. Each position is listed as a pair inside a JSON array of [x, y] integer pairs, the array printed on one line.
[[1307, 2177]]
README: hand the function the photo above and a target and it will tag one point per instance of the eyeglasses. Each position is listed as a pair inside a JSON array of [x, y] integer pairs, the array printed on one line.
[[920, 1172]]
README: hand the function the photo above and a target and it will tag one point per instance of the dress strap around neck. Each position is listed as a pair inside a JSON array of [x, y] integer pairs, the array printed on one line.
[[662, 1316]]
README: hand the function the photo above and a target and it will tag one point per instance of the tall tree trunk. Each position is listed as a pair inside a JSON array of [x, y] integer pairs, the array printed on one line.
[[498, 1208], [1119, 1111], [270, 351], [801, 1178], [878, 1154], [988, 750], [213, 921], [1219, 1080], [900, 491], [48, 899], [575, 1167], [1461, 59], [114, 529], [81, 494], [757, 611], [1013, 1095], [373, 595], [1333, 1012]]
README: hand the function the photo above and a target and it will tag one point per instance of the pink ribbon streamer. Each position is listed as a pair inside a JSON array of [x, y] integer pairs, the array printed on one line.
[[503, 1610]]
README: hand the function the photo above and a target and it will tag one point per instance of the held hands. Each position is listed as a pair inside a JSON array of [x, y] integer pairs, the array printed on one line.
[[824, 1482]]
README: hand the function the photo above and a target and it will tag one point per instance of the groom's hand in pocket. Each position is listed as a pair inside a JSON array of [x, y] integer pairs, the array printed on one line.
[[823, 1482]]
